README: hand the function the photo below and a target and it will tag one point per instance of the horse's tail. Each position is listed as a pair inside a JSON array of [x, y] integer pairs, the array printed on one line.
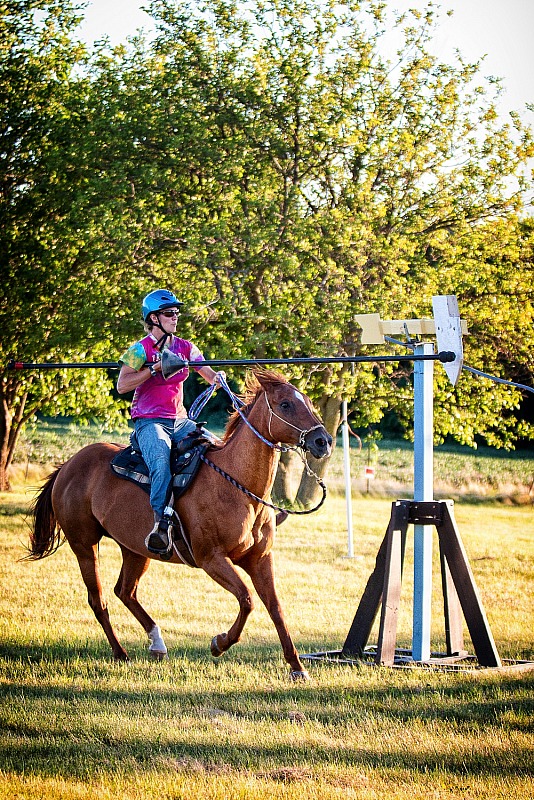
[[45, 535]]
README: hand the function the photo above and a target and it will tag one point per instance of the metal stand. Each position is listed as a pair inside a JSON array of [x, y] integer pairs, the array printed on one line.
[[459, 590], [384, 585]]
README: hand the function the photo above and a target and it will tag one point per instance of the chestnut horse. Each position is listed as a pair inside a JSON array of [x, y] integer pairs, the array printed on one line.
[[85, 500]]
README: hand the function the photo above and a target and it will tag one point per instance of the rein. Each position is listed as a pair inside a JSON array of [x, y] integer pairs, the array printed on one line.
[[260, 499], [237, 404]]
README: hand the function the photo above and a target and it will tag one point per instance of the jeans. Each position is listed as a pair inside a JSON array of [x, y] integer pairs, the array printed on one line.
[[155, 437]]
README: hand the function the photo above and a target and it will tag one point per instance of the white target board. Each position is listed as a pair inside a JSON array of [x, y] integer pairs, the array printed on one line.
[[449, 332]]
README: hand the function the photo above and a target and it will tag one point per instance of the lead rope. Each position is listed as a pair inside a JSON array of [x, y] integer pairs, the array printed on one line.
[[260, 499], [237, 404], [202, 399]]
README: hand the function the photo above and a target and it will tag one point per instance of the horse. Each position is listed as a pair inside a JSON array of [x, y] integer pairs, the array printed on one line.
[[228, 525]]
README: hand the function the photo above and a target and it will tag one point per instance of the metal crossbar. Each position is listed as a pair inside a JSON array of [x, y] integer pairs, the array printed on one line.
[[444, 357]]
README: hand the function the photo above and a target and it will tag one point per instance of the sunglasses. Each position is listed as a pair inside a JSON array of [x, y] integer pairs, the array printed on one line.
[[170, 313]]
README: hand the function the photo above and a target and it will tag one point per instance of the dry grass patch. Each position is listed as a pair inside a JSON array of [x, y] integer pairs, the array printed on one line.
[[75, 725]]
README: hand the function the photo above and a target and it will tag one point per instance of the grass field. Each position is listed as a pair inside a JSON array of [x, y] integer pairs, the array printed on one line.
[[75, 725]]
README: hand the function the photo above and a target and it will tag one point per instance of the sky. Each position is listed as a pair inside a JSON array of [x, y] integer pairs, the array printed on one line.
[[501, 30]]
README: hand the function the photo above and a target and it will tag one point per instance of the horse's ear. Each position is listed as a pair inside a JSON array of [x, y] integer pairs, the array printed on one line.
[[260, 376], [252, 384]]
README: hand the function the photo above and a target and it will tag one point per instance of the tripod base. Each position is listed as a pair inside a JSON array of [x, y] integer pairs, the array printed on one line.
[[460, 594], [403, 660]]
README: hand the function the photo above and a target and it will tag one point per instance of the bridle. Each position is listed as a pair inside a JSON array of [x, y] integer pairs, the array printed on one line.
[[300, 448], [238, 404], [303, 433]]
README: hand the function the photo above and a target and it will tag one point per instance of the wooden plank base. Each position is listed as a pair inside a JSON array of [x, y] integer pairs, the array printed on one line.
[[460, 593]]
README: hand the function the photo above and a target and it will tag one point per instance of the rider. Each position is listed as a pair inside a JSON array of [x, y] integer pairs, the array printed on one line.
[[157, 408]]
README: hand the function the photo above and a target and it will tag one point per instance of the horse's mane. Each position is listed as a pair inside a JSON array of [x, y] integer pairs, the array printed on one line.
[[255, 382]]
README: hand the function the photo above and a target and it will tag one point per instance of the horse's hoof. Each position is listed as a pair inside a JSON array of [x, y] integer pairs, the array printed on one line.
[[299, 675], [124, 657], [215, 649], [158, 655]]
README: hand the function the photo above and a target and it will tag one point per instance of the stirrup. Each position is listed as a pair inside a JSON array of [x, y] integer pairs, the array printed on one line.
[[159, 541]]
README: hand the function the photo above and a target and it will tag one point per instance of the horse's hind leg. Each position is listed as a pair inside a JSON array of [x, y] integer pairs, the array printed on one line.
[[133, 568], [87, 556]]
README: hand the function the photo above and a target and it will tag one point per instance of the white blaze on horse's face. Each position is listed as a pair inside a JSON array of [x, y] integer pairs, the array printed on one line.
[[299, 396]]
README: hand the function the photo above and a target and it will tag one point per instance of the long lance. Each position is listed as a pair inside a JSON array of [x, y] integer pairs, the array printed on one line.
[[445, 356]]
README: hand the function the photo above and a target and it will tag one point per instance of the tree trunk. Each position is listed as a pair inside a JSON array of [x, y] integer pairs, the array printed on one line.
[[10, 428], [5, 428], [309, 491], [4, 480], [287, 478]]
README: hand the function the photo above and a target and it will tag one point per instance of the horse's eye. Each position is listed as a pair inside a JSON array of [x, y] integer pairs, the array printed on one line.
[[285, 405]]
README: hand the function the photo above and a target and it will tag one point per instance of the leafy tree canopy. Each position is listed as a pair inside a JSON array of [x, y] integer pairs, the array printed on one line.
[[268, 163]]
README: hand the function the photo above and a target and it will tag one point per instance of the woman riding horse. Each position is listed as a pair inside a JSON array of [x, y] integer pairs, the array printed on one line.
[[226, 513], [158, 404]]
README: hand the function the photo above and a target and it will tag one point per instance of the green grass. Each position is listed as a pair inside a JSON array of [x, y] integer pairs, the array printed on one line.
[[76, 725]]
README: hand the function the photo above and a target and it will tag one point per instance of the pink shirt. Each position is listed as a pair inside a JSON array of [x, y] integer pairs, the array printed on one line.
[[158, 397]]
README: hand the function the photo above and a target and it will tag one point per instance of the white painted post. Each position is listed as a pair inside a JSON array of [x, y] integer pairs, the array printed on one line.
[[423, 491], [346, 467]]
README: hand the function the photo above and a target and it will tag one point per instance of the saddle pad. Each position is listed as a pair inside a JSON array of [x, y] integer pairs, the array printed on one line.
[[130, 465]]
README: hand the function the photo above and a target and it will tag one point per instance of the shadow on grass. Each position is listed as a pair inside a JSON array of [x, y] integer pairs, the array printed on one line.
[[13, 510], [94, 652], [69, 717]]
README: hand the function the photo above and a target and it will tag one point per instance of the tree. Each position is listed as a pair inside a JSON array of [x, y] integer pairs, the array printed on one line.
[[270, 164], [62, 230], [331, 182], [492, 269]]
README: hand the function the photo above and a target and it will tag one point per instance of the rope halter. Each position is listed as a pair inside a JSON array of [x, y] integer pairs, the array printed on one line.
[[303, 433]]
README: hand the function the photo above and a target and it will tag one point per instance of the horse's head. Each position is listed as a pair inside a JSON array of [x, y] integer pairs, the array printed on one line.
[[291, 418]]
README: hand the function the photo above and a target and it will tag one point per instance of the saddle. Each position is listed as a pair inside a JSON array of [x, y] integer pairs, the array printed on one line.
[[185, 462]]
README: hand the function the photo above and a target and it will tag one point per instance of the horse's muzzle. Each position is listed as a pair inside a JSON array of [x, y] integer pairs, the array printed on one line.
[[318, 442]]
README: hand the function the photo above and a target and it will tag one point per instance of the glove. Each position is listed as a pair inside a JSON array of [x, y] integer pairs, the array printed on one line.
[[219, 376]]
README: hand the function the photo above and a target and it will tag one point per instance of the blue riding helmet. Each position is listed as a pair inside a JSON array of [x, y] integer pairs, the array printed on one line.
[[159, 300]]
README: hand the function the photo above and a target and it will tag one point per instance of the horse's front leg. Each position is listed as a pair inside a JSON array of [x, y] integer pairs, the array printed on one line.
[[261, 570], [221, 569]]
